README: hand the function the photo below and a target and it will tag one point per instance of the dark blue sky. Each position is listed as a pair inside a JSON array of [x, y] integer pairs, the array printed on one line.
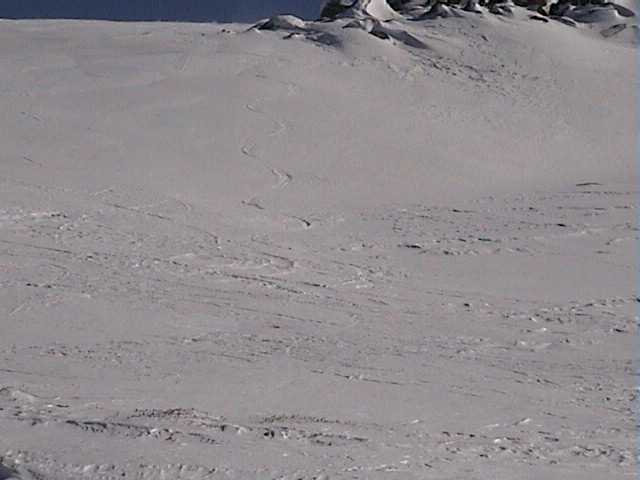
[[176, 10]]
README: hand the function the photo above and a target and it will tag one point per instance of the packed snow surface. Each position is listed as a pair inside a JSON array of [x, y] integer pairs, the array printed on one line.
[[393, 243]]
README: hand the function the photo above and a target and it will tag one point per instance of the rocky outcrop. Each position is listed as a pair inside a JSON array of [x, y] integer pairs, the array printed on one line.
[[609, 18]]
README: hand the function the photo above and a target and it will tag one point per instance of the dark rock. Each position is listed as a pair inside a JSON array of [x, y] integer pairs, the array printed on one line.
[[622, 11], [613, 30], [333, 8], [471, 6]]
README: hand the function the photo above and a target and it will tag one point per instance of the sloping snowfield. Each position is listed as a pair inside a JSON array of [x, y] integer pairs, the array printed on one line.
[[391, 244]]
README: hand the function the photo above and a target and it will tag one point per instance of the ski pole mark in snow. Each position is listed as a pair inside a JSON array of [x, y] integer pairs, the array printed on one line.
[[281, 127], [284, 178], [250, 150]]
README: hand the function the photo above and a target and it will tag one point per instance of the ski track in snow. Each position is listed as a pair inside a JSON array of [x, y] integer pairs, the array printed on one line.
[[74, 254], [283, 178]]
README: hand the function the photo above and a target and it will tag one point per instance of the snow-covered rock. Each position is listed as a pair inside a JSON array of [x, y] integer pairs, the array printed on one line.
[[282, 22], [377, 9]]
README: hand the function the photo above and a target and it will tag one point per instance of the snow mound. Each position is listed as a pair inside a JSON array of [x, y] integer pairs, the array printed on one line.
[[377, 29], [282, 22], [438, 10], [501, 7]]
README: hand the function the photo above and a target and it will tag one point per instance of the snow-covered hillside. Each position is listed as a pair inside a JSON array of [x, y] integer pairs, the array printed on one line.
[[394, 242]]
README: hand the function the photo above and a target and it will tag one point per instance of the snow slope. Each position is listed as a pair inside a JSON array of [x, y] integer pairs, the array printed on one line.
[[349, 248]]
